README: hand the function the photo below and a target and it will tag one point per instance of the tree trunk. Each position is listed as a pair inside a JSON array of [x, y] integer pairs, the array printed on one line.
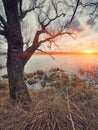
[[17, 85], [15, 62]]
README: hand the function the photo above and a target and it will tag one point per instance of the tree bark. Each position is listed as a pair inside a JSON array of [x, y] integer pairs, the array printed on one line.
[[15, 64], [17, 85]]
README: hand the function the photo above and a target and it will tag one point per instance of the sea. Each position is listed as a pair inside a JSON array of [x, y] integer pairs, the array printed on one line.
[[72, 64]]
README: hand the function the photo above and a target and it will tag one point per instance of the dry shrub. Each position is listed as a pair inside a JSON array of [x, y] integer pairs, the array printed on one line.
[[4, 92], [3, 84], [61, 108]]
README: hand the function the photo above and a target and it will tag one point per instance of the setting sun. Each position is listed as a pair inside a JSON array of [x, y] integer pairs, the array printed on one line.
[[89, 51]]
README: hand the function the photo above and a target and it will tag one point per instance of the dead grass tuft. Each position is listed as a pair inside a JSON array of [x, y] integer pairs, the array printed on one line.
[[61, 108]]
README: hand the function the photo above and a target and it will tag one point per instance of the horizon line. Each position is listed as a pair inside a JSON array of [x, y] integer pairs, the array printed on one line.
[[59, 53], [65, 53]]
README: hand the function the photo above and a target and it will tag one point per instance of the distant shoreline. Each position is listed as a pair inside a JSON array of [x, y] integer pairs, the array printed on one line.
[[65, 53], [59, 53]]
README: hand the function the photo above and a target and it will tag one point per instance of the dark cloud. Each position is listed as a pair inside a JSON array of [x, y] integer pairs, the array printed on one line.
[[91, 22], [75, 26]]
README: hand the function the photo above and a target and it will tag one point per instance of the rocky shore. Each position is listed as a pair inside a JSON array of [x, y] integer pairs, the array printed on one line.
[[53, 78]]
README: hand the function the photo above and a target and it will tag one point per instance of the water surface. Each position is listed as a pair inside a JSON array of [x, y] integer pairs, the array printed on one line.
[[69, 63]]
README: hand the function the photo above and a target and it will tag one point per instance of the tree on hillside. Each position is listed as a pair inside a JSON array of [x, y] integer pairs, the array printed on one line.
[[52, 19]]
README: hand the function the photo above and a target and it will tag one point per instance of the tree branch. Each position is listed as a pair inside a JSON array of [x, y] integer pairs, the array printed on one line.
[[24, 13], [44, 22], [30, 50], [74, 11], [46, 53], [47, 20], [57, 16], [1, 25], [46, 13], [54, 36], [3, 21], [94, 10], [89, 4], [2, 33], [36, 43]]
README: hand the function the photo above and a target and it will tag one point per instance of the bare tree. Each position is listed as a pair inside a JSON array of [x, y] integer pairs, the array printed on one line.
[[52, 20]]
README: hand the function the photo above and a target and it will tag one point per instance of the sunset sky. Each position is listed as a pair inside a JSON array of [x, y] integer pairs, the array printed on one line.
[[86, 40], [86, 34], [86, 31]]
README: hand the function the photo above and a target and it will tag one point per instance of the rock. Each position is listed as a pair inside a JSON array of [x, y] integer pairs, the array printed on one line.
[[54, 69], [43, 83], [37, 86], [46, 77], [48, 84], [5, 76], [64, 76], [39, 77], [31, 81], [28, 75], [35, 77], [56, 83], [40, 72], [54, 76]]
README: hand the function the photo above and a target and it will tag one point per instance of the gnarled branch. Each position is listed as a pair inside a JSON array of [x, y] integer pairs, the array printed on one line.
[[31, 8], [74, 11], [2, 20], [46, 53], [56, 35], [2, 32]]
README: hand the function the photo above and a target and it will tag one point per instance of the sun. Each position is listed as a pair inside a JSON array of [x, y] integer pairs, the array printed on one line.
[[89, 51]]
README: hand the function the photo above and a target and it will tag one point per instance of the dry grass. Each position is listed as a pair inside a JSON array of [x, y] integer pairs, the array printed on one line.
[[62, 108]]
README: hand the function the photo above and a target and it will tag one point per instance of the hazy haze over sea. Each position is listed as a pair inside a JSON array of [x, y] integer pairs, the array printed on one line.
[[69, 63]]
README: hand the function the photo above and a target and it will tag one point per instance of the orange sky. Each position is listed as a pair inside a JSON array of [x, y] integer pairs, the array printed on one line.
[[85, 41]]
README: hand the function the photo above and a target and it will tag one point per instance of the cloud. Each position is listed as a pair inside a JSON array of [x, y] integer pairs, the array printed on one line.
[[76, 26]]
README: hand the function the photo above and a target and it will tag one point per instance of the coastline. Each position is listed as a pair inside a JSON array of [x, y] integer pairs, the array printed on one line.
[[59, 53], [65, 53]]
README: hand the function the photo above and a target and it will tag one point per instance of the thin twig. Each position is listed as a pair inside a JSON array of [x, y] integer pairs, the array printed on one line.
[[46, 53]]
